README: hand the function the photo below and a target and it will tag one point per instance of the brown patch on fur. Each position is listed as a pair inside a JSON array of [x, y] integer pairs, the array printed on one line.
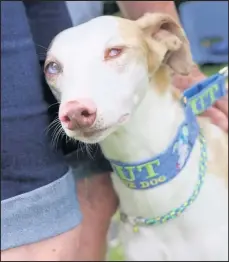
[[153, 59], [166, 31], [162, 79], [130, 32], [159, 39], [147, 50], [217, 149], [133, 37], [176, 93]]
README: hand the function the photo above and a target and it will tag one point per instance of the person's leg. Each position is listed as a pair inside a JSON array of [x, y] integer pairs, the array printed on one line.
[[38, 199], [40, 212], [86, 242]]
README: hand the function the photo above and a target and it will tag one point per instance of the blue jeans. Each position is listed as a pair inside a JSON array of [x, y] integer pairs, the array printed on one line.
[[37, 186]]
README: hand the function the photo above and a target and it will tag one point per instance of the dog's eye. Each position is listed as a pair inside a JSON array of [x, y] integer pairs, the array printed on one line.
[[113, 53], [52, 68]]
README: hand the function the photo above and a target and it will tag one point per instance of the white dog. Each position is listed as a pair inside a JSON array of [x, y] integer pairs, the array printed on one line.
[[112, 78]]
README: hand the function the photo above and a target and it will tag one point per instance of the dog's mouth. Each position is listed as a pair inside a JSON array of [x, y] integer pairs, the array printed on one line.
[[93, 133], [89, 136]]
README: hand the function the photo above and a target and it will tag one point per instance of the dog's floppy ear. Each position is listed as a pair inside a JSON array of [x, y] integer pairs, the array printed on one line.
[[173, 44]]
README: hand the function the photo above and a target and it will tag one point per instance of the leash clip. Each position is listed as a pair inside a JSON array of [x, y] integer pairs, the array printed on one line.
[[136, 222]]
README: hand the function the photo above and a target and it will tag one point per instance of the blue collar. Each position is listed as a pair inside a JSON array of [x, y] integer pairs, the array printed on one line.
[[164, 167]]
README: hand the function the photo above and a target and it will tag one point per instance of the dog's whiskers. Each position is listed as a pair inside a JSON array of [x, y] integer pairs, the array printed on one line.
[[57, 103], [89, 151], [46, 49], [58, 134], [52, 124]]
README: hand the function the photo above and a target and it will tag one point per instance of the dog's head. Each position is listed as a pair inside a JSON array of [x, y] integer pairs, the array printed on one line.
[[101, 70]]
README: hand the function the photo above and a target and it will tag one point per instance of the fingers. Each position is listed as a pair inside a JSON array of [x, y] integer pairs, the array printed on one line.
[[217, 117], [222, 105]]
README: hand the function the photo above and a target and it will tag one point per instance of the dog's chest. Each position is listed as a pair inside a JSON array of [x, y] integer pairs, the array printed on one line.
[[187, 237], [201, 233], [173, 243]]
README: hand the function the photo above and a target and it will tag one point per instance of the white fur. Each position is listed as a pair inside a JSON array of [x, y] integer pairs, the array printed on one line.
[[201, 233]]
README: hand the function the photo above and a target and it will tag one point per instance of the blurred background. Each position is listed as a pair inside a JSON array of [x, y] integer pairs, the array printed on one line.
[[206, 26]]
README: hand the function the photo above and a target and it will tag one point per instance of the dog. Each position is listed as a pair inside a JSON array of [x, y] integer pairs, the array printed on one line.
[[112, 77]]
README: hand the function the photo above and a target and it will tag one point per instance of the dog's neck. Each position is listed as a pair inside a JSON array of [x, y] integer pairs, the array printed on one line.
[[149, 132]]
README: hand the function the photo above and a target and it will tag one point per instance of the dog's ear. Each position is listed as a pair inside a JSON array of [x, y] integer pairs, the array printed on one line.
[[169, 37]]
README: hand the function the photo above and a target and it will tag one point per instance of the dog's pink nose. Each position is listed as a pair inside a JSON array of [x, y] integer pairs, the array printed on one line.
[[77, 114]]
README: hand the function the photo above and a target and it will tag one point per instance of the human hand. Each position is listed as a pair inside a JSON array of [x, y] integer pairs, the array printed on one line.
[[218, 113]]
